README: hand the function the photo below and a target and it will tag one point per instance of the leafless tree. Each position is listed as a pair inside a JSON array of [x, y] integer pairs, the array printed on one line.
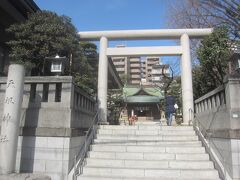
[[206, 13]]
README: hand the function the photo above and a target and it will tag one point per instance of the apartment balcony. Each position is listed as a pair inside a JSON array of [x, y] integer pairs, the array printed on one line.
[[119, 66], [147, 83], [120, 69], [158, 71], [135, 71], [134, 76], [135, 65], [135, 81], [158, 78], [152, 62], [121, 63], [134, 60], [118, 59]]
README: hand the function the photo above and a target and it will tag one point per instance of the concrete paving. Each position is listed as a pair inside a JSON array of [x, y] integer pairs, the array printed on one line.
[[147, 152]]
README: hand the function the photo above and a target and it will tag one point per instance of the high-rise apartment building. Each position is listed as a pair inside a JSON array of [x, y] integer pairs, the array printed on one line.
[[149, 63], [120, 64], [128, 68], [158, 72], [137, 70]]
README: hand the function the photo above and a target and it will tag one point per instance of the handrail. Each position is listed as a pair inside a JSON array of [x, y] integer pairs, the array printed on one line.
[[199, 127], [80, 157]]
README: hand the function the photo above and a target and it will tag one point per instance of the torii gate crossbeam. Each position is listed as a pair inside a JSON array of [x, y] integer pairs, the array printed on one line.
[[145, 51], [183, 50]]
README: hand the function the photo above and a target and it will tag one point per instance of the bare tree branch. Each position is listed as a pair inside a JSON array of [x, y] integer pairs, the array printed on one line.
[[206, 13]]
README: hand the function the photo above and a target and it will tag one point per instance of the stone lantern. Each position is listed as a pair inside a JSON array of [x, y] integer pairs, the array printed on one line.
[[58, 64], [234, 63]]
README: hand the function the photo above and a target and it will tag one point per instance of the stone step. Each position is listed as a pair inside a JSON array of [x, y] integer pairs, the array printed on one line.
[[143, 138], [150, 173], [143, 121], [144, 132], [148, 164], [148, 127], [127, 178], [149, 156], [147, 142], [147, 152], [24, 176], [159, 149]]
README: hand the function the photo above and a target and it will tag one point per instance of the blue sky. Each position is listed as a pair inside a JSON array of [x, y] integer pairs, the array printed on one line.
[[90, 15], [94, 15]]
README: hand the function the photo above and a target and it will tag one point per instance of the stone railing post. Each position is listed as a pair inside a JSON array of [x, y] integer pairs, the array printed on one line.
[[232, 90]]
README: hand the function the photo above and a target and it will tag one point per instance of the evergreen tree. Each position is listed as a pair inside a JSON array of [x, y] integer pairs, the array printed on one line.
[[213, 54], [44, 34]]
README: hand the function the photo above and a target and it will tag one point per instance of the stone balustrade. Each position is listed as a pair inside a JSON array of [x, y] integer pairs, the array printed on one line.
[[53, 102], [55, 114], [211, 100], [217, 115]]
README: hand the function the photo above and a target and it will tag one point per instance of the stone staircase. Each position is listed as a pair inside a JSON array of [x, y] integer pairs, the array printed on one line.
[[147, 152]]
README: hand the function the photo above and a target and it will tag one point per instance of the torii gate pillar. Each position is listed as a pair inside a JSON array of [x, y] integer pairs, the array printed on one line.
[[102, 80], [186, 80]]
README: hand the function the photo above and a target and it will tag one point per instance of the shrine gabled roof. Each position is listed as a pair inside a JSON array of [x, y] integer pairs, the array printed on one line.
[[142, 99], [136, 90]]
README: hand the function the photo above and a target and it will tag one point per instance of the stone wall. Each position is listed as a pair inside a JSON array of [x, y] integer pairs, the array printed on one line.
[[218, 118], [55, 114]]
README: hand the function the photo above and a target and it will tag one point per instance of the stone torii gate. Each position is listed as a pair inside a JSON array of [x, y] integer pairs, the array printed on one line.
[[183, 50]]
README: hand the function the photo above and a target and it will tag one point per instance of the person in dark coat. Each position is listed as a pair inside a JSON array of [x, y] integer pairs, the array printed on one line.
[[170, 101]]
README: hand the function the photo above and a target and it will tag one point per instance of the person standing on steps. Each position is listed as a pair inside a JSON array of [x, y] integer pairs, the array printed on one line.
[[170, 102]]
